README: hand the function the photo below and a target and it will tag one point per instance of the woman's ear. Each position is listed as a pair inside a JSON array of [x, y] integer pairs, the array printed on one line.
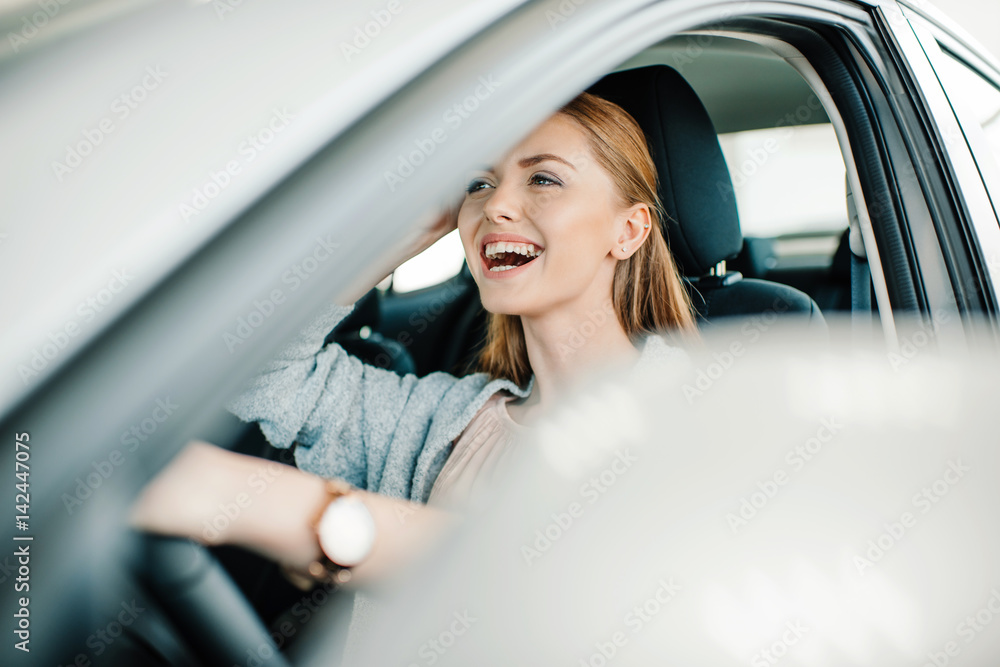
[[635, 228]]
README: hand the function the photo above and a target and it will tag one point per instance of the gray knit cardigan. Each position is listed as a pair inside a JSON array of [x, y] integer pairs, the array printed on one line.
[[377, 430]]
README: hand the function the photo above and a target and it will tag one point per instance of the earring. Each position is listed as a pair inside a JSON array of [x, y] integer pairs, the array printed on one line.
[[623, 249], [646, 226]]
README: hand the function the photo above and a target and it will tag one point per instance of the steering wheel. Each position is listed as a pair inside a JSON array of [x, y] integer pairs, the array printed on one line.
[[202, 601]]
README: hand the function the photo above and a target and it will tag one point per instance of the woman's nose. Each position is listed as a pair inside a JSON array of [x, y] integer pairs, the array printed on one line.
[[502, 205]]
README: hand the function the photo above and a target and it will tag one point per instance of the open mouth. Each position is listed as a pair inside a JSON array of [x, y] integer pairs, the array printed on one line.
[[503, 256]]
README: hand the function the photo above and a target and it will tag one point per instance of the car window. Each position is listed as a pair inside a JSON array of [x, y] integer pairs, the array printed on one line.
[[980, 96], [439, 262], [787, 179]]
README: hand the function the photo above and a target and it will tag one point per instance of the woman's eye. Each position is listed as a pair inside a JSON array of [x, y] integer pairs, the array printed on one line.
[[544, 179], [477, 184]]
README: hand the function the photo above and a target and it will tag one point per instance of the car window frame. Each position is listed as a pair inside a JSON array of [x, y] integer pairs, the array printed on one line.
[[966, 193], [939, 45]]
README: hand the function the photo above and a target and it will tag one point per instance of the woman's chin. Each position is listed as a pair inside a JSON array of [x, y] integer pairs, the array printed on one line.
[[500, 304]]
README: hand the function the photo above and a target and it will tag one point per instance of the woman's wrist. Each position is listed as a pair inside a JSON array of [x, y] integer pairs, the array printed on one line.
[[217, 497], [269, 509]]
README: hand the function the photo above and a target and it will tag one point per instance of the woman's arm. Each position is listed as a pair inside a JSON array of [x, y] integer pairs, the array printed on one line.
[[216, 497], [345, 415]]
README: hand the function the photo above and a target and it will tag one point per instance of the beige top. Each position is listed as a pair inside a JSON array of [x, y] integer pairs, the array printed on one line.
[[477, 453]]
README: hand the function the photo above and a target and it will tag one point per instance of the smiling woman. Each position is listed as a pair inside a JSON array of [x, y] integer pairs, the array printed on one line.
[[566, 225], [586, 166]]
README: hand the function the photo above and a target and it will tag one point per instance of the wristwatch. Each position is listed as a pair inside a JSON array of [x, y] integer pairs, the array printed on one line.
[[345, 531]]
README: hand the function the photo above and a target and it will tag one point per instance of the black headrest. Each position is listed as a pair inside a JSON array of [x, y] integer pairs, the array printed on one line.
[[703, 226]]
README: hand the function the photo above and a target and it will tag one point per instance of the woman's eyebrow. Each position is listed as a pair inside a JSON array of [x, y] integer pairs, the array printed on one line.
[[524, 163]]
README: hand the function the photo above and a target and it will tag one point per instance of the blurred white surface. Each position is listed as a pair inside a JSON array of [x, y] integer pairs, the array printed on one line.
[[980, 17], [791, 503]]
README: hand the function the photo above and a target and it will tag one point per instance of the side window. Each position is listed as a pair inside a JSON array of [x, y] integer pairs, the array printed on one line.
[[438, 263], [978, 95], [788, 180]]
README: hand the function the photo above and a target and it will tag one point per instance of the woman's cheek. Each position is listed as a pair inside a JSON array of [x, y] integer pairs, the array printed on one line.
[[466, 227]]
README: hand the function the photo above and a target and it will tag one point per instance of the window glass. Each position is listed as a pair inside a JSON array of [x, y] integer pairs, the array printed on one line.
[[788, 180], [434, 265]]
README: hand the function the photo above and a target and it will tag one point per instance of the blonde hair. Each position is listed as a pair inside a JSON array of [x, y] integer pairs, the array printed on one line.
[[646, 292]]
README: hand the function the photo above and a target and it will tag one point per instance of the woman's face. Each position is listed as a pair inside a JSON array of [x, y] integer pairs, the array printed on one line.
[[539, 228]]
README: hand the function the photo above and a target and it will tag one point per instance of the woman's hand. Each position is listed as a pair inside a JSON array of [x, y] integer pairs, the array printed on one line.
[[217, 497], [443, 224], [423, 238], [446, 223]]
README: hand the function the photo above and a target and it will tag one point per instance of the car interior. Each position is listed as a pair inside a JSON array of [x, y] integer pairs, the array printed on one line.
[[760, 217], [727, 273], [804, 272], [801, 169]]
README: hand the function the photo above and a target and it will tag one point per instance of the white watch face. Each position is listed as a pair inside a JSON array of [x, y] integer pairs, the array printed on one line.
[[346, 531]]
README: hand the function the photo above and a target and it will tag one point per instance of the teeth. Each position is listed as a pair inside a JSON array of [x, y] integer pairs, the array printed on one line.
[[527, 249], [505, 267]]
